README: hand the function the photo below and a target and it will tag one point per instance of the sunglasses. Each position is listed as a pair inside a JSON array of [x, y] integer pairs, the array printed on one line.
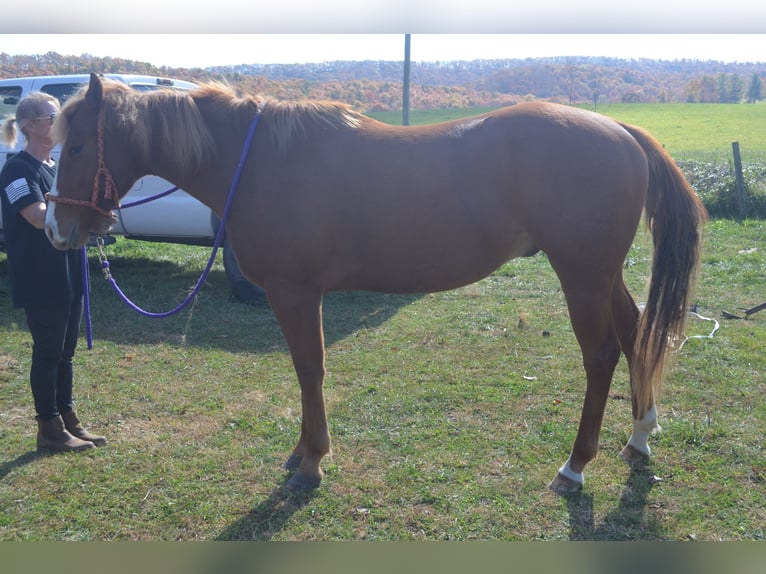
[[51, 118]]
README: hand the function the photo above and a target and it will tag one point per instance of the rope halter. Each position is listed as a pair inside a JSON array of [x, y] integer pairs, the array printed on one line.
[[106, 192]]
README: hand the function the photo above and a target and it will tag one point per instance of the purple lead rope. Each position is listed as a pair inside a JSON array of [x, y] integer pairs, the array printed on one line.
[[86, 295], [208, 267]]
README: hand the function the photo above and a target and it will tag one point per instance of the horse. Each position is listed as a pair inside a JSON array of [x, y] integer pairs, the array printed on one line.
[[329, 199]]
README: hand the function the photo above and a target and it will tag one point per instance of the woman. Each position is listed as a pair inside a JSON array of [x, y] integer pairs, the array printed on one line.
[[45, 282]]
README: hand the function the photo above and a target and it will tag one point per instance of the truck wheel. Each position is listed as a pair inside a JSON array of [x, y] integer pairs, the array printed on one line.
[[241, 289]]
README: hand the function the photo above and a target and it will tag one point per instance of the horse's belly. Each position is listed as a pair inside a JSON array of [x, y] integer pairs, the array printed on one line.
[[433, 264]]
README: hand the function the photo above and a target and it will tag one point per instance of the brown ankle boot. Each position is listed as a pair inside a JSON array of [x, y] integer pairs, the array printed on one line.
[[74, 426], [52, 435]]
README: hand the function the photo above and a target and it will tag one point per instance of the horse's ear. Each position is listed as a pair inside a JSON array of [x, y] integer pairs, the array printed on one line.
[[95, 92]]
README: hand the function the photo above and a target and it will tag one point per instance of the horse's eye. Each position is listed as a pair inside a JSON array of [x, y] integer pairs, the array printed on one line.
[[75, 150]]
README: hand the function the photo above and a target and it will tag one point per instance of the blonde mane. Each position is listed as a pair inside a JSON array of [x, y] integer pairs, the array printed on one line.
[[171, 121], [181, 135], [289, 120], [285, 120]]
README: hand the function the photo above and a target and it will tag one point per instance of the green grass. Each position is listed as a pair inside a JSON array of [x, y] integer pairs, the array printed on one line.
[[450, 413], [699, 131]]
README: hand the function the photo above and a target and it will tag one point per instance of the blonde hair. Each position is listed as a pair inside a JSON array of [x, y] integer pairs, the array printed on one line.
[[27, 109]]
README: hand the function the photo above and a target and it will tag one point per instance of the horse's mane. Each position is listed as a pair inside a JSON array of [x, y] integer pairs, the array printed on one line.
[[289, 119], [152, 126], [285, 120], [149, 125]]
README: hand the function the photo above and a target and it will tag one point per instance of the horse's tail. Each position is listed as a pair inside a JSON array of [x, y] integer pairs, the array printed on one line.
[[674, 215]]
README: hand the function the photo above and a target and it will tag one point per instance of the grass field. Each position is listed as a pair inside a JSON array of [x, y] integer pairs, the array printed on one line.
[[449, 412]]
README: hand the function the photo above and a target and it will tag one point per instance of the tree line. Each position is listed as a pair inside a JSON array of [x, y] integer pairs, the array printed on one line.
[[377, 85], [725, 89]]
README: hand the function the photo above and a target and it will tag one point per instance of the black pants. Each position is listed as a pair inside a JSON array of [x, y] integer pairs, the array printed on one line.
[[54, 330]]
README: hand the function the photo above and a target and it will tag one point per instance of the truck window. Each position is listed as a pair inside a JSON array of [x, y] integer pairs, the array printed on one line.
[[61, 91], [9, 99]]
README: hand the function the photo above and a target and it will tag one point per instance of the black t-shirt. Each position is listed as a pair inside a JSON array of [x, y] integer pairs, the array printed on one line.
[[39, 274]]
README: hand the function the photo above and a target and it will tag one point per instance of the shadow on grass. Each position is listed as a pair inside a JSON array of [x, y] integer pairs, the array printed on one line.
[[268, 518], [9, 466], [628, 521], [215, 320]]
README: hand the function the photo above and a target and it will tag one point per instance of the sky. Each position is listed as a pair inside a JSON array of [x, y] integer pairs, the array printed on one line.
[[204, 50], [180, 33]]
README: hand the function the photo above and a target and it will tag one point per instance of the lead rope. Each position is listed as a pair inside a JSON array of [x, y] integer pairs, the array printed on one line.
[[86, 295], [200, 282], [86, 273], [694, 311]]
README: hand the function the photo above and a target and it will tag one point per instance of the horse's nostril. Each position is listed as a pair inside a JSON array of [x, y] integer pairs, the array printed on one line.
[[49, 233]]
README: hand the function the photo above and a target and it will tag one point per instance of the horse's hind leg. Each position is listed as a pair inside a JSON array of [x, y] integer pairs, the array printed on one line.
[[626, 315], [588, 299], [299, 312]]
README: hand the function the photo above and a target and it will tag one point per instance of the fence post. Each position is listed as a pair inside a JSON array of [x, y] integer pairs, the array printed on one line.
[[741, 206]]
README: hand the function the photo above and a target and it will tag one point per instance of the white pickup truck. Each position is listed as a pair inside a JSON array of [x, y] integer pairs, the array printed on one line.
[[192, 222]]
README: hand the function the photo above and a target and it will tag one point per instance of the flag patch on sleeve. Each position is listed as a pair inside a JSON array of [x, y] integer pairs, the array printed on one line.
[[17, 189]]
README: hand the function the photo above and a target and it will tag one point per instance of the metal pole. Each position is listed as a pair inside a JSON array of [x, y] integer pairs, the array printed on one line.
[[406, 94]]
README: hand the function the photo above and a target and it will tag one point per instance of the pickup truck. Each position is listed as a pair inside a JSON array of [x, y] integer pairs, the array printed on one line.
[[192, 223]]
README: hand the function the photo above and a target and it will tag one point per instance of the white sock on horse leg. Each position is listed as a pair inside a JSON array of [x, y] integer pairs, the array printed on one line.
[[642, 430], [566, 471]]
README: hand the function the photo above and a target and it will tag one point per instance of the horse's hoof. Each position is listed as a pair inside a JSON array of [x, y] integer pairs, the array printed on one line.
[[293, 462], [562, 485], [301, 482], [633, 456]]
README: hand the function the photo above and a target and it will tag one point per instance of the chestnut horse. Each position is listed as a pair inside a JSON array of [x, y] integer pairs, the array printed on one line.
[[330, 199]]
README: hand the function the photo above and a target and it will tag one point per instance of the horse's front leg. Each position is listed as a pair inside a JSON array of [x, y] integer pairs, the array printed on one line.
[[299, 312]]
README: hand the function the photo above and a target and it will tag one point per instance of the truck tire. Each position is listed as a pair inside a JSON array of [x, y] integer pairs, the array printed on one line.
[[241, 289]]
